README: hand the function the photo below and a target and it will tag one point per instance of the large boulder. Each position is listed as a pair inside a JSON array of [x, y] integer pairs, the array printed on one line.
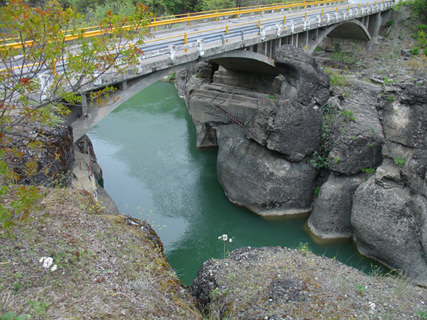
[[304, 76], [389, 226], [280, 283], [292, 126], [259, 179], [332, 208]]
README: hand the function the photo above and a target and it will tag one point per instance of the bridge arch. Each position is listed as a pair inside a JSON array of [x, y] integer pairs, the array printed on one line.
[[352, 29], [247, 61]]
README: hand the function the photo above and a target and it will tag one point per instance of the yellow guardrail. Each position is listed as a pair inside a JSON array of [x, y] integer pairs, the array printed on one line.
[[185, 35], [188, 18]]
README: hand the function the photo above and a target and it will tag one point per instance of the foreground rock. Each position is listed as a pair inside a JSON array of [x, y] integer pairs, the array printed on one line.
[[107, 266], [280, 283]]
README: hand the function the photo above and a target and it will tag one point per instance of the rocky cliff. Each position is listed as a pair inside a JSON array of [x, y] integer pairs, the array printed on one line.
[[355, 156], [73, 260], [280, 283]]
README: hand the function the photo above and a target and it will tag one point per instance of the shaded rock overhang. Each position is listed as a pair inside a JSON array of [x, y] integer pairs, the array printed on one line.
[[246, 61]]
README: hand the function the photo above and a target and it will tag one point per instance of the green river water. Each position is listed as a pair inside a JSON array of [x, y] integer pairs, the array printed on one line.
[[154, 172]]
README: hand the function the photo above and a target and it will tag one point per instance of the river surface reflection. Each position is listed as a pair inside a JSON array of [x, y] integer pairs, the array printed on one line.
[[154, 172]]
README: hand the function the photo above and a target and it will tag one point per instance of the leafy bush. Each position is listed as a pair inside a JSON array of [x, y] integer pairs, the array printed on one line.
[[390, 22], [400, 162], [11, 316], [418, 8], [415, 51], [335, 79], [422, 27]]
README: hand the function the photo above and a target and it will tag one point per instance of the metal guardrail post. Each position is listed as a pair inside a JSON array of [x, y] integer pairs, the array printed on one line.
[[200, 47], [172, 53], [188, 21], [185, 41]]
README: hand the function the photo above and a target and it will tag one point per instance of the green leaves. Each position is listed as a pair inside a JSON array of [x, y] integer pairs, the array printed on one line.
[[46, 61]]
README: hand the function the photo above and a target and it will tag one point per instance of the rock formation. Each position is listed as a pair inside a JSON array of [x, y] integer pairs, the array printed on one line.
[[265, 126], [368, 144], [389, 211], [292, 126], [259, 179], [280, 283]]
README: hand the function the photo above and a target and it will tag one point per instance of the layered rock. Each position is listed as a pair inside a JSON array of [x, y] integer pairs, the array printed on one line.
[[279, 283], [212, 103]]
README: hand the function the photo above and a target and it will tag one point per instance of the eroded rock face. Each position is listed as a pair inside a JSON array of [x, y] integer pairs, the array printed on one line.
[[275, 283], [331, 214], [292, 126], [389, 211], [212, 103], [357, 143], [267, 135], [386, 224], [52, 155], [259, 179]]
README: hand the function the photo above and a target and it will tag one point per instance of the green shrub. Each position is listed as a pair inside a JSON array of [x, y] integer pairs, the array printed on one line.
[[318, 161], [421, 38], [368, 170], [347, 115], [317, 191], [390, 22], [11, 316], [415, 51], [399, 161], [335, 79]]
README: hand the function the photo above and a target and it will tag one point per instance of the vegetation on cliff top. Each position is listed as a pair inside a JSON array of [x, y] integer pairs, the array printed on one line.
[[102, 267], [280, 283], [41, 76]]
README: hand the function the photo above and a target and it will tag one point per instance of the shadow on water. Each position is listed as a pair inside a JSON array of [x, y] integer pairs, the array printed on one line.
[[153, 171]]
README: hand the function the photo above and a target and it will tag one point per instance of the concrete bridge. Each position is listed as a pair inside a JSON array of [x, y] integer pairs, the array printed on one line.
[[239, 39]]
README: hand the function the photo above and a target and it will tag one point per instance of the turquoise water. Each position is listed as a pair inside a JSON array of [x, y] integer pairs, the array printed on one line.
[[153, 171]]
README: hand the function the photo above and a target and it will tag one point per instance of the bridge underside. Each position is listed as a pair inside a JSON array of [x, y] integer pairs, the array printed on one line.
[[350, 30], [246, 61]]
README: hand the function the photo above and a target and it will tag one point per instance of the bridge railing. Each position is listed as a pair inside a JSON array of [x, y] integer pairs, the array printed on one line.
[[182, 20], [179, 44]]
